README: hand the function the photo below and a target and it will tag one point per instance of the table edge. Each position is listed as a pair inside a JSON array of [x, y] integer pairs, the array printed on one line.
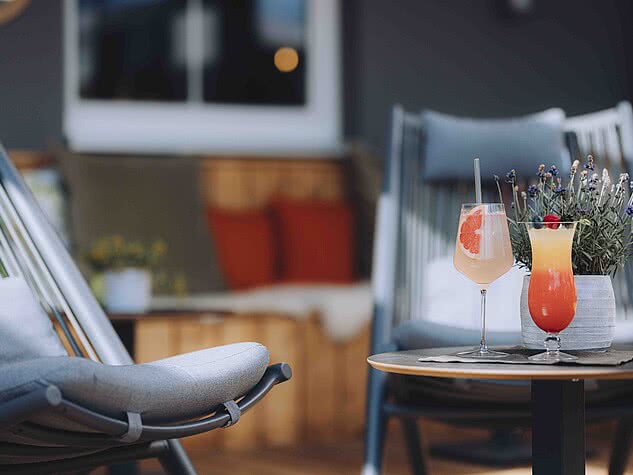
[[601, 373]]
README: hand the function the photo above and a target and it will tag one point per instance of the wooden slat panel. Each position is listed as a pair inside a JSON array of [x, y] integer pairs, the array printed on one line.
[[155, 339], [284, 406], [267, 184], [320, 379], [242, 183], [323, 401]]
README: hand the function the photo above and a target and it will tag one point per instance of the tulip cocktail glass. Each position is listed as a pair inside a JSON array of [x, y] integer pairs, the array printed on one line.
[[552, 292]]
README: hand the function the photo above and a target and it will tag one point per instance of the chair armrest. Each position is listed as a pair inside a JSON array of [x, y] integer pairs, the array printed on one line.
[[21, 408]]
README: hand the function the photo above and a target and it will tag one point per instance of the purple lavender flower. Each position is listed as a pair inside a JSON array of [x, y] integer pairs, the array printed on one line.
[[532, 191], [538, 221], [629, 210], [559, 189], [583, 211], [511, 176], [554, 170], [590, 163]]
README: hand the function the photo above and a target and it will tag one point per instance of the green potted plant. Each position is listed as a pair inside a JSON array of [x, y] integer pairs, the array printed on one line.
[[602, 243], [125, 265]]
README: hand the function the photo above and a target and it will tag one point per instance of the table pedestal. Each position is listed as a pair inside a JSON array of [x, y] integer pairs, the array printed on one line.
[[558, 427]]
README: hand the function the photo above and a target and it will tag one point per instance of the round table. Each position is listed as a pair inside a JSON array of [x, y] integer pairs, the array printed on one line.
[[558, 399]]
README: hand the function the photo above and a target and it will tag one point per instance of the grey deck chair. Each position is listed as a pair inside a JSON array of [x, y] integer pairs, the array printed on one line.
[[63, 411], [416, 222], [608, 135]]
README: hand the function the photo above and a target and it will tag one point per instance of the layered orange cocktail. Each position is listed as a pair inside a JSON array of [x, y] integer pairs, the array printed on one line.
[[552, 291]]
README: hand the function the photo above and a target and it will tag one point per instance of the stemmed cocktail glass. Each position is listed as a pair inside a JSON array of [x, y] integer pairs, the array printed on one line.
[[552, 291], [483, 253]]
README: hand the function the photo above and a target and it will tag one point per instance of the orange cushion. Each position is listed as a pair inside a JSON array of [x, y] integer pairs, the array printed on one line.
[[246, 246], [317, 243]]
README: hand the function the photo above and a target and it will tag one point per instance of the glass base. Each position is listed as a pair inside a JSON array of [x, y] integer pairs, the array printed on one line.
[[483, 353], [552, 357]]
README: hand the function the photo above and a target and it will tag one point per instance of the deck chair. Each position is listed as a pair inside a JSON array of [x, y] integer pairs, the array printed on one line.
[[608, 134], [70, 396], [416, 223]]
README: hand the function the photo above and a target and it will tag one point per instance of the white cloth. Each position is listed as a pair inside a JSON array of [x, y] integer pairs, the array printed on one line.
[[451, 298], [344, 309]]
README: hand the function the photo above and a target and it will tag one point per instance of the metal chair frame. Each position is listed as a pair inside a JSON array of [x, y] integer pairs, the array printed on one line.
[[30, 248]]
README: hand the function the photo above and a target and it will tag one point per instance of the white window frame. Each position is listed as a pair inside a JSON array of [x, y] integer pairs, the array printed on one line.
[[119, 126]]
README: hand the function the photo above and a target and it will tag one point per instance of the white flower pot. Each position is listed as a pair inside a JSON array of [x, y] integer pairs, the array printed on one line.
[[127, 291], [593, 326]]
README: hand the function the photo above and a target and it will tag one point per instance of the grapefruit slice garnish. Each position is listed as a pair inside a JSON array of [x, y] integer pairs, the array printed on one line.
[[470, 232]]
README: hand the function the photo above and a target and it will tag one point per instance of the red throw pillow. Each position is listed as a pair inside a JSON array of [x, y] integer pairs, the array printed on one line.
[[246, 246], [317, 241]]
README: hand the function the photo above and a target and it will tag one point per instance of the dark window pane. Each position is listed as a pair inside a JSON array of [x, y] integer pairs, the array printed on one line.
[[132, 49], [255, 51]]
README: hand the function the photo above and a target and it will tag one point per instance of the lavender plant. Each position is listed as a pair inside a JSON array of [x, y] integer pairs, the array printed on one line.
[[603, 209]]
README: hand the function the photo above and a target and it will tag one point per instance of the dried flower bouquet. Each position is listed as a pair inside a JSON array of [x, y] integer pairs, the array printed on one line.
[[603, 209]]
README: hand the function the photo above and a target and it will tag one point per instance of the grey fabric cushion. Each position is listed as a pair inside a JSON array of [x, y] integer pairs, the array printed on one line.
[[521, 143], [171, 389], [26, 332], [144, 199], [418, 334]]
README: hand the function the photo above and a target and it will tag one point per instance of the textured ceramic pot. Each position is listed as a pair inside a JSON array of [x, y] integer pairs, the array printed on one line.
[[593, 326], [127, 290]]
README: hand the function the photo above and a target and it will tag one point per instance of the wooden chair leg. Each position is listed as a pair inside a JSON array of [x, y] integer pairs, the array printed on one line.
[[621, 447], [376, 423], [414, 445]]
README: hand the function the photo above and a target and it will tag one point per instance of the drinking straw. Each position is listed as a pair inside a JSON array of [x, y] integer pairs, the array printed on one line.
[[477, 181]]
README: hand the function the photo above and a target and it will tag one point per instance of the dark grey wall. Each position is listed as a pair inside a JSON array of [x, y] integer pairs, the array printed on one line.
[[31, 77], [458, 56], [463, 57]]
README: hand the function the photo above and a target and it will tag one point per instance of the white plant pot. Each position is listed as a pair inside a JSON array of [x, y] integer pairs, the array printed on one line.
[[127, 291], [593, 326]]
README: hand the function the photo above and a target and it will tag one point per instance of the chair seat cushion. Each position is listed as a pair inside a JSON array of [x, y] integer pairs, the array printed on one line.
[[417, 334], [171, 389]]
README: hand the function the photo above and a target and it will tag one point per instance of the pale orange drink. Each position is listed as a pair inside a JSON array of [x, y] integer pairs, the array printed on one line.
[[483, 253]]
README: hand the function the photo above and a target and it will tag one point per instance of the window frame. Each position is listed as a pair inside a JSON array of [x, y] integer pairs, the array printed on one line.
[[126, 126]]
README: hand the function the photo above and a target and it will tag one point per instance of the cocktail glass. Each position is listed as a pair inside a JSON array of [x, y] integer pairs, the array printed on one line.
[[552, 292], [483, 253]]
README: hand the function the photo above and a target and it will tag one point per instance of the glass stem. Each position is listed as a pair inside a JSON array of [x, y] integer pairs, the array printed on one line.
[[483, 346], [552, 344]]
